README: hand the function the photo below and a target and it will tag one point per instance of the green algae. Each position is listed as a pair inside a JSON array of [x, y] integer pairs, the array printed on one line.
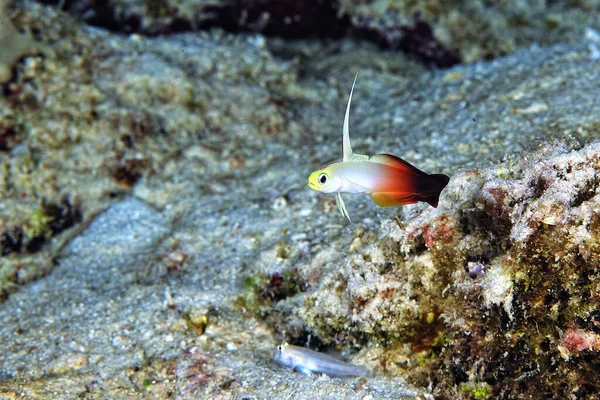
[[477, 390], [38, 225]]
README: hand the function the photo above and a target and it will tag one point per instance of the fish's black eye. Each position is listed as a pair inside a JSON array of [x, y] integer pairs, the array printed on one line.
[[279, 348], [322, 179]]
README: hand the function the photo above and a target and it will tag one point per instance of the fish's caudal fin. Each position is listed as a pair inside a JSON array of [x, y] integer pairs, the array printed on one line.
[[441, 181], [426, 188], [433, 200]]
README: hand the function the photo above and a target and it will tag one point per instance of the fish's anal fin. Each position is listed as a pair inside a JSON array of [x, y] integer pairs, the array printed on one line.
[[390, 199], [342, 206], [346, 146]]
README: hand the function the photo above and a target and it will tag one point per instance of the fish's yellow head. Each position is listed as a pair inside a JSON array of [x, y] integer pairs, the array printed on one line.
[[324, 180]]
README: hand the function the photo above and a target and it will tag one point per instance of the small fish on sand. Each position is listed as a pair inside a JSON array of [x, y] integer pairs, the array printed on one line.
[[390, 180], [308, 361]]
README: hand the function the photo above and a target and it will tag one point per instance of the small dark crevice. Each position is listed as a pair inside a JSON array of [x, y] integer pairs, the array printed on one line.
[[417, 40], [97, 13], [63, 214], [286, 18], [8, 138], [585, 193], [11, 241]]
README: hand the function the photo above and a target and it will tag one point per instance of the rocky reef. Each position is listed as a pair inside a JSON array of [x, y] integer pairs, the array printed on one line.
[[157, 238], [495, 291]]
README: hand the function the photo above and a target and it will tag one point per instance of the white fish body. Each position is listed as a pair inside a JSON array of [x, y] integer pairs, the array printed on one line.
[[308, 361]]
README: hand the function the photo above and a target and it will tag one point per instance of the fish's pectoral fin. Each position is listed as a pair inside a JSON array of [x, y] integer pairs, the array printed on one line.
[[303, 370], [342, 206], [390, 199], [346, 147]]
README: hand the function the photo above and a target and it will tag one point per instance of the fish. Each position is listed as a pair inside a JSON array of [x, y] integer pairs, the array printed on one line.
[[390, 180], [307, 361]]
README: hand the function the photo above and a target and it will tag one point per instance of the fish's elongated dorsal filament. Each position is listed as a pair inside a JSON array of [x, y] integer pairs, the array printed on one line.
[[346, 146]]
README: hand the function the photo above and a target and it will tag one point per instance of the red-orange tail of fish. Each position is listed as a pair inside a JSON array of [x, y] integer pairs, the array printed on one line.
[[406, 184]]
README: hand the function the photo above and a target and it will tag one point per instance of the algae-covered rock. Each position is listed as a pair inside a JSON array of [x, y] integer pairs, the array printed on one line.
[[498, 290]]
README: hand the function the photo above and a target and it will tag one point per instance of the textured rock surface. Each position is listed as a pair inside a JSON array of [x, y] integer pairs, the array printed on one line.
[[158, 238]]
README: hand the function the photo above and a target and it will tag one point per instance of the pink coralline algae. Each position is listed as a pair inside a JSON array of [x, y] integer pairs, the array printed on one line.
[[576, 340]]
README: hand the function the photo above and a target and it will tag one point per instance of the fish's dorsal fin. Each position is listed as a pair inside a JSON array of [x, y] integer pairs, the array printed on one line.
[[396, 162], [358, 157], [341, 205], [346, 146]]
